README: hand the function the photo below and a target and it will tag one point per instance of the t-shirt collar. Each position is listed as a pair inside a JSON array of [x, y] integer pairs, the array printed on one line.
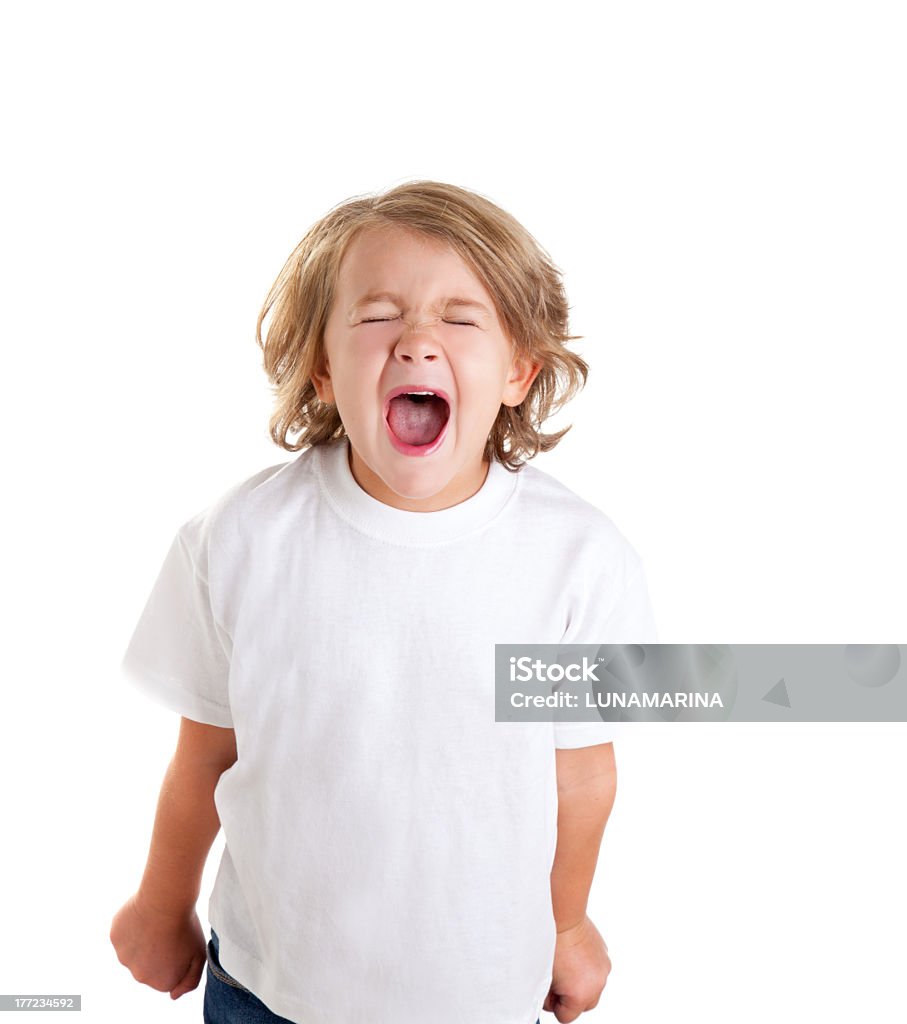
[[399, 526]]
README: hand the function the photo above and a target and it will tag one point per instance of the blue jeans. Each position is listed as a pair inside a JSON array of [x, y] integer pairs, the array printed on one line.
[[228, 1002]]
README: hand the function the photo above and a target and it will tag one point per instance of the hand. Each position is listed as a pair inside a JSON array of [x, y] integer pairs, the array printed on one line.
[[581, 968], [164, 950]]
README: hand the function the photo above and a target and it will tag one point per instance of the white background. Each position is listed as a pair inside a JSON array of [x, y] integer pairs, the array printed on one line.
[[722, 185]]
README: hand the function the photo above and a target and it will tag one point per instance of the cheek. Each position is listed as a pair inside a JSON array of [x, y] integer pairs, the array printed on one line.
[[481, 378], [367, 353], [354, 364]]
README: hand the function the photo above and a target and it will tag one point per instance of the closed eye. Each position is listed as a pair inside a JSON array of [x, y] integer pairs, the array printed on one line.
[[388, 319]]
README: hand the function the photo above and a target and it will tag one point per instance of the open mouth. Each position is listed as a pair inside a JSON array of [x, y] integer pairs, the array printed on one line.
[[417, 419]]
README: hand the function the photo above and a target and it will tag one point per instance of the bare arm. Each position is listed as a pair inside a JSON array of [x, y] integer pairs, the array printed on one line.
[[586, 785], [186, 821], [157, 933]]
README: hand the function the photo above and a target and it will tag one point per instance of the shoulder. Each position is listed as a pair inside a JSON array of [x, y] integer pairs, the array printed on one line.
[[573, 518], [249, 505]]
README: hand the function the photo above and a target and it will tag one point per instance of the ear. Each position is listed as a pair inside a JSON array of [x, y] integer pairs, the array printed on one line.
[[321, 379], [522, 374]]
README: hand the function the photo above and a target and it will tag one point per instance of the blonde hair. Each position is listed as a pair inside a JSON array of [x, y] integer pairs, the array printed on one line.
[[519, 275]]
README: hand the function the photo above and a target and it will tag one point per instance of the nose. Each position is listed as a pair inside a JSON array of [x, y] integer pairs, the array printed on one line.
[[416, 342]]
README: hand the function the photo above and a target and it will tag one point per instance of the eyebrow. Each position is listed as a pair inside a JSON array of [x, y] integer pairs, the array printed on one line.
[[453, 300]]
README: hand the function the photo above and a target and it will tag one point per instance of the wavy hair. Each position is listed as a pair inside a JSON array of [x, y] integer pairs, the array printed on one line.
[[525, 284]]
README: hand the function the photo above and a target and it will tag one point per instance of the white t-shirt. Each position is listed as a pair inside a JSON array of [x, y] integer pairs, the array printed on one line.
[[388, 845]]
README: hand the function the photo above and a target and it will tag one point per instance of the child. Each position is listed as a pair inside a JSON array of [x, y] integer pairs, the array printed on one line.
[[326, 630]]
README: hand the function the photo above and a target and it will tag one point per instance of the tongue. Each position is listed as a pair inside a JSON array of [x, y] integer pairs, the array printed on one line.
[[417, 420]]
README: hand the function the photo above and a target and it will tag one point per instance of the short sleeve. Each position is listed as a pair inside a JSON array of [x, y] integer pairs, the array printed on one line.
[[627, 620], [179, 655]]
